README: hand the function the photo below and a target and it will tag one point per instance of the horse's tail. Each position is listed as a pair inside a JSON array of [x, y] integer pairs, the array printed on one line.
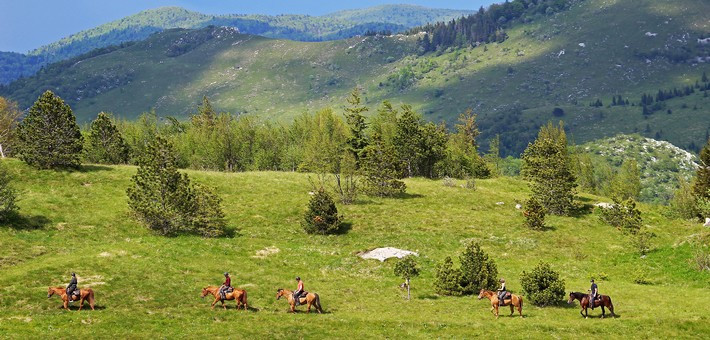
[[320, 308], [91, 298], [244, 299], [521, 301]]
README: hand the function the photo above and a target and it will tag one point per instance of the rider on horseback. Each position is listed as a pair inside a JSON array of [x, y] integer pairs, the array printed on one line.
[[593, 293], [501, 292], [299, 291], [71, 287], [225, 286]]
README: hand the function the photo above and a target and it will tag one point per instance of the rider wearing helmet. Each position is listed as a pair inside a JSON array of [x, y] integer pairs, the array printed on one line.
[[501, 292], [593, 292], [225, 286], [71, 287], [299, 290]]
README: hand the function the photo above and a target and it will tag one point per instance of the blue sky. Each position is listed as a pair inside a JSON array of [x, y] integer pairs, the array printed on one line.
[[28, 24]]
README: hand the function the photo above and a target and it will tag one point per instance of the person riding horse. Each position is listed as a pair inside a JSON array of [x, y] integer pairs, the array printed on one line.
[[71, 287], [501, 292], [593, 293], [299, 291], [226, 286]]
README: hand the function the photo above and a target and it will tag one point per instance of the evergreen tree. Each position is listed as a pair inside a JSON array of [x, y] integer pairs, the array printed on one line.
[[8, 195], [9, 117], [357, 141], [206, 115], [543, 285], [534, 214], [477, 270], [321, 217], [447, 280], [623, 215], [701, 187], [627, 182], [493, 156], [406, 268], [49, 136], [461, 156], [547, 165], [408, 140], [380, 169], [105, 143]]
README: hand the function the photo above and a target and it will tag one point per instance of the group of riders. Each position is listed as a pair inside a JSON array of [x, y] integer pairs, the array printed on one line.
[[226, 288]]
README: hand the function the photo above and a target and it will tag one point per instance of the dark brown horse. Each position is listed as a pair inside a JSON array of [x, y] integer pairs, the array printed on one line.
[[604, 301], [238, 295], [84, 294]]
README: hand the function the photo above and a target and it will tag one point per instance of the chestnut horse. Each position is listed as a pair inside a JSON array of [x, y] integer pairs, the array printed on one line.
[[583, 298], [84, 294], [514, 301], [238, 295], [312, 299]]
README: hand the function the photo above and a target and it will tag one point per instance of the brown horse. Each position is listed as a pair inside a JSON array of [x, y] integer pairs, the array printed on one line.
[[84, 294], [238, 295], [312, 299], [514, 301], [604, 301]]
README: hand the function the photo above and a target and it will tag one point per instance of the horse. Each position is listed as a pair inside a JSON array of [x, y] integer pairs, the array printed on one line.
[[583, 298], [312, 299], [514, 301], [84, 294], [238, 295]]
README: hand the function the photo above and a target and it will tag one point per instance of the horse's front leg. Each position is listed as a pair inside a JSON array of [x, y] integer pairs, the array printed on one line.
[[214, 302], [496, 311], [602, 311], [293, 307], [81, 303], [512, 308]]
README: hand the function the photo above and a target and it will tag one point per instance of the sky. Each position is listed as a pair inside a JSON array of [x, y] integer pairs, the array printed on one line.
[[28, 24]]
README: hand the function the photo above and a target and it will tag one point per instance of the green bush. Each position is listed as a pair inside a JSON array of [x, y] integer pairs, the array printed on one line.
[[8, 195], [447, 278], [534, 214], [543, 286], [406, 268], [321, 217], [476, 272], [105, 145], [683, 204], [623, 216]]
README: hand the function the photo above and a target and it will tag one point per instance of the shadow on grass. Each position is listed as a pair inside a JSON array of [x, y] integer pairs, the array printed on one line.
[[344, 228], [407, 196], [75, 307], [93, 168], [20, 222], [428, 297], [584, 209]]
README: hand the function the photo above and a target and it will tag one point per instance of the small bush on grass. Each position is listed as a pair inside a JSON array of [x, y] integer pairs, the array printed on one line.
[[623, 216], [642, 241], [448, 182], [701, 260], [476, 272], [321, 217], [543, 286], [447, 278], [534, 214], [406, 268], [8, 195]]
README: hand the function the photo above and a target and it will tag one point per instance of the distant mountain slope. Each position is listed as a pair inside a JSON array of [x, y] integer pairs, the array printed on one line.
[[595, 51], [294, 27]]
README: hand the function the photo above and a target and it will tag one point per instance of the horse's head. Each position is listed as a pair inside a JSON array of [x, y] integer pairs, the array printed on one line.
[[205, 291], [50, 292], [571, 298], [279, 293], [481, 294]]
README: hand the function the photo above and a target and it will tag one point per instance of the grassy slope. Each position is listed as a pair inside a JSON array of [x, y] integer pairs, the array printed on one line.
[[148, 286]]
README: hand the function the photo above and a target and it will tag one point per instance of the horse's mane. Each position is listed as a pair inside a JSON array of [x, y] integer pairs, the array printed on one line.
[[578, 294]]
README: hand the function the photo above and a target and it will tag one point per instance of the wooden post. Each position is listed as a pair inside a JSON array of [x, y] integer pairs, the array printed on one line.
[[409, 296]]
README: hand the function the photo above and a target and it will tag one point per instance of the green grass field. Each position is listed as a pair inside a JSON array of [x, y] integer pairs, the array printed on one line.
[[148, 286]]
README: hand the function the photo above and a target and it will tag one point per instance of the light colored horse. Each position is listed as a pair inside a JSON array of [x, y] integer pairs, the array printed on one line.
[[514, 301], [238, 295], [84, 294], [311, 299]]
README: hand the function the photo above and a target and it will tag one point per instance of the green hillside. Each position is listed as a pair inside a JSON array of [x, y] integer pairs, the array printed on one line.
[[338, 25], [513, 85], [149, 286]]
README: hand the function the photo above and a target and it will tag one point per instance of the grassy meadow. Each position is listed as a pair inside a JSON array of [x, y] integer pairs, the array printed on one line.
[[148, 286]]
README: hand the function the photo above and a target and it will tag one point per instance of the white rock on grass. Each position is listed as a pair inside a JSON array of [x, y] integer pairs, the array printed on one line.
[[518, 206], [707, 222], [385, 253], [604, 205]]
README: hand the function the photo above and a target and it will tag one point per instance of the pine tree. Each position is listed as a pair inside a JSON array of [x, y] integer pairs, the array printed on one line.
[[357, 141], [543, 286], [8, 195], [105, 143], [493, 156], [321, 217], [9, 118], [477, 270], [534, 214], [701, 187], [49, 136], [447, 279], [380, 169], [627, 182], [408, 140], [206, 115], [547, 165]]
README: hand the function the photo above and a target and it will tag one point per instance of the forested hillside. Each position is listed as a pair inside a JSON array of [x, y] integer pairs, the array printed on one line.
[[593, 64], [340, 25]]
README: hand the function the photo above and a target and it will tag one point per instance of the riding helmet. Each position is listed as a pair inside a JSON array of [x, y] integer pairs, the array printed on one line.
[[502, 280], [225, 273], [298, 278]]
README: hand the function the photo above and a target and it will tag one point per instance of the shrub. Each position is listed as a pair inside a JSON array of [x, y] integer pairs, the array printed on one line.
[[104, 143], [470, 184], [534, 214], [701, 260], [8, 195], [683, 204], [379, 165], [164, 200], [477, 270], [623, 216], [543, 286], [406, 268], [642, 241], [448, 182], [321, 217], [49, 137], [447, 278]]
